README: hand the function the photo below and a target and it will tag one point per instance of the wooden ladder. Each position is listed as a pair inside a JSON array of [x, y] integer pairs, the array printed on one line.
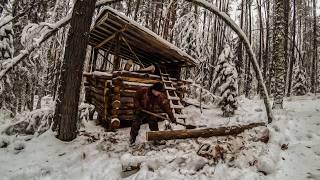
[[174, 99]]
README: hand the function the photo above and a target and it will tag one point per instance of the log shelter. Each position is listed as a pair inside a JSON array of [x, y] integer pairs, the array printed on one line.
[[139, 58]]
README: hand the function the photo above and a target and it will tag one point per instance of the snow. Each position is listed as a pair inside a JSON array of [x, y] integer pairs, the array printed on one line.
[[97, 154], [5, 20]]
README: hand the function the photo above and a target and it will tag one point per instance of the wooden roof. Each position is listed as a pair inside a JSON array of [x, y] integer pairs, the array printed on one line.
[[137, 42]]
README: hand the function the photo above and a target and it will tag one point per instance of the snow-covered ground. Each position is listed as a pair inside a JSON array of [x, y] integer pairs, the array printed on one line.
[[96, 154]]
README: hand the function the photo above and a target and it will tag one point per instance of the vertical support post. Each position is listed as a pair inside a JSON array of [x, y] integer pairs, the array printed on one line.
[[116, 62], [94, 59], [106, 103]]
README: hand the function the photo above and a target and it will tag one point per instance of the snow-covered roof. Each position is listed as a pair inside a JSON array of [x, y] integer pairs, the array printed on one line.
[[146, 45]]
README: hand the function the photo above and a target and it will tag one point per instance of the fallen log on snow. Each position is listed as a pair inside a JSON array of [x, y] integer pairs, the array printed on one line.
[[203, 132]]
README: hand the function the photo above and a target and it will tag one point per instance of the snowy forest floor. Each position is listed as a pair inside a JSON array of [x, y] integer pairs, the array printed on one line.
[[96, 154]]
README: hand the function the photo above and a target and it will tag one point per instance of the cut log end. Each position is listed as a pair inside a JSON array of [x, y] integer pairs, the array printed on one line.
[[115, 123]]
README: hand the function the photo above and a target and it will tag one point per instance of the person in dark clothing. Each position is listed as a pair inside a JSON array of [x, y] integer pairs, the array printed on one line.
[[149, 99]]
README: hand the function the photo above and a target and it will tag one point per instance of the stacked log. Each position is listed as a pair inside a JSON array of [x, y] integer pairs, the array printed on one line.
[[97, 91], [116, 102], [113, 94]]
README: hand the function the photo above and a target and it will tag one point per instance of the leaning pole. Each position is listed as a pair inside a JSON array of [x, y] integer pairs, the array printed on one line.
[[243, 37]]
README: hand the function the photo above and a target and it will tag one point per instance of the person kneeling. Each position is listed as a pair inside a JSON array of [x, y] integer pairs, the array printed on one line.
[[148, 99]]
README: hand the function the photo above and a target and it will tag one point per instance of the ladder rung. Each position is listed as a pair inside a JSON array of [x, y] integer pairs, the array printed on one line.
[[167, 81], [176, 106], [173, 98], [170, 88], [164, 74], [180, 116]]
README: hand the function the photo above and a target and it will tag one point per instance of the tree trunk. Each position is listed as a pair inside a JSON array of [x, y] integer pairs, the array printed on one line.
[[314, 59], [286, 38], [136, 10], [261, 38], [266, 67], [292, 60], [279, 52], [65, 118]]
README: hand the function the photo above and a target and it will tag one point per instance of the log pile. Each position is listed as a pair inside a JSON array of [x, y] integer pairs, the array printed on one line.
[[112, 94]]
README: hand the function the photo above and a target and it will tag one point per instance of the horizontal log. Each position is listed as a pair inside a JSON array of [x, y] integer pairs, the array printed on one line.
[[126, 111], [195, 133], [95, 90], [127, 93], [134, 86], [94, 101], [98, 74], [140, 80], [94, 80], [135, 74], [96, 85], [126, 117], [126, 99], [131, 111], [124, 106]]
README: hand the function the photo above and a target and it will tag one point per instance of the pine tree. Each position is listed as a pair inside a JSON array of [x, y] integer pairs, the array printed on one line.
[[6, 34], [300, 81], [226, 82], [6, 52]]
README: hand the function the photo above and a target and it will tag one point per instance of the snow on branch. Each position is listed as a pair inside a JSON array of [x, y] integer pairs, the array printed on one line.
[[46, 31], [242, 35], [10, 18], [105, 2]]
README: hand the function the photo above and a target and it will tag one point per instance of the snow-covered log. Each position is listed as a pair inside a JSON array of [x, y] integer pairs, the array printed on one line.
[[195, 133], [246, 41]]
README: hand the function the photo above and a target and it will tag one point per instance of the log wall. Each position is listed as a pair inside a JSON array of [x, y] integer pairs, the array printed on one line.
[[112, 94]]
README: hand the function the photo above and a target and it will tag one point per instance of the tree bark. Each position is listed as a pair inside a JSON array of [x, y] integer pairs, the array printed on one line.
[[315, 52], [266, 55], [292, 60], [195, 133], [136, 10], [65, 117], [279, 52]]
